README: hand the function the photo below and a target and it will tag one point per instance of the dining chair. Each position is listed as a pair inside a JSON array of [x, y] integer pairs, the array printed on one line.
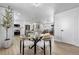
[[25, 43], [45, 43]]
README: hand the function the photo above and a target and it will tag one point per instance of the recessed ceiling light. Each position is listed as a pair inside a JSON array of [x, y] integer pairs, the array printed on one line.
[[36, 4]]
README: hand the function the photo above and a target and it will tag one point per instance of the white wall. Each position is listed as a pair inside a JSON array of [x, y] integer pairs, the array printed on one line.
[[68, 21]]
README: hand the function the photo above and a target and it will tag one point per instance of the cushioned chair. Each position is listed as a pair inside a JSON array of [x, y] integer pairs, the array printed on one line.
[[28, 43], [45, 43], [41, 43], [25, 43]]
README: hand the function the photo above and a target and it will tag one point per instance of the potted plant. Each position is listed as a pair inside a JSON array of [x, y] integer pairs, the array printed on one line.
[[7, 20]]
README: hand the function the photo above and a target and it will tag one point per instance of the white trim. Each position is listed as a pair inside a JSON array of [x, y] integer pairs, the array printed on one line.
[[67, 42]]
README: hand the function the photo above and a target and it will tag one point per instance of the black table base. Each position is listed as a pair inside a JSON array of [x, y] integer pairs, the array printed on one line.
[[35, 44], [35, 47]]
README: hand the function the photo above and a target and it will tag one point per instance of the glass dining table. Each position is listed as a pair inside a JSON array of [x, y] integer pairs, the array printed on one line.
[[35, 38], [32, 37]]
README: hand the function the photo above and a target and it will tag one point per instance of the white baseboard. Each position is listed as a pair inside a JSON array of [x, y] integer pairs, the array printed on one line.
[[75, 44]]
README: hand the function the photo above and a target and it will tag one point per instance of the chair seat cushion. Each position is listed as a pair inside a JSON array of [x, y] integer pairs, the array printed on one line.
[[41, 43], [28, 43]]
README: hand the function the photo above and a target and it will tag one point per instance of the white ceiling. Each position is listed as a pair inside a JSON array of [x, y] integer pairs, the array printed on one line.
[[60, 7], [45, 11]]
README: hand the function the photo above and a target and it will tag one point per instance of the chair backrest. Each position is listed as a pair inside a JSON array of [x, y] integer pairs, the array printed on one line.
[[47, 36]]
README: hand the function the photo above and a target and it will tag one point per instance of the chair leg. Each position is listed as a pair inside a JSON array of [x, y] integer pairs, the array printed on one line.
[[50, 46], [23, 47], [35, 47], [44, 48], [20, 46]]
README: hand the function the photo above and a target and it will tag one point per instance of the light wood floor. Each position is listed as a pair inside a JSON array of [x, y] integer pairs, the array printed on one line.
[[59, 49]]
